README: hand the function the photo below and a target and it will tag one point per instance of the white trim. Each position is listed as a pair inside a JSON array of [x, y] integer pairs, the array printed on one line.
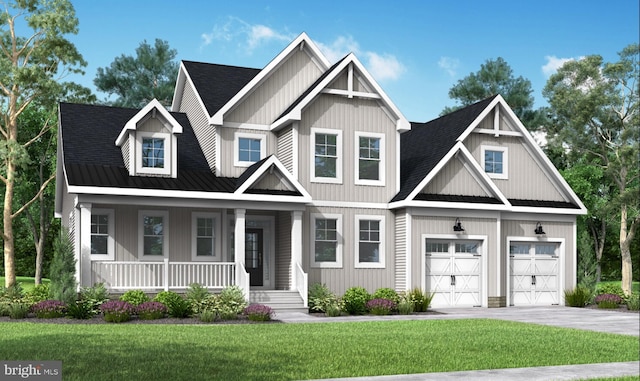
[[381, 161], [168, 153], [339, 154], [217, 237], [247, 126], [339, 238], [505, 160], [284, 173], [497, 133], [409, 250], [236, 147], [110, 213], [294, 149], [349, 204], [561, 261], [153, 106], [165, 234], [381, 243]]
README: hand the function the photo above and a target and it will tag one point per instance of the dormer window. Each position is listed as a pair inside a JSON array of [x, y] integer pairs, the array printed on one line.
[[153, 152]]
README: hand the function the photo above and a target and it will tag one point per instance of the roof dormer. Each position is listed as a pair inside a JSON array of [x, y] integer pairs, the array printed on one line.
[[149, 142]]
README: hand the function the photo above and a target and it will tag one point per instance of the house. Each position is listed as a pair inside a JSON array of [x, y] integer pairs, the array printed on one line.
[[305, 171]]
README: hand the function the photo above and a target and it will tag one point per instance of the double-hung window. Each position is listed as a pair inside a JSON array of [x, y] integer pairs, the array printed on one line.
[[153, 234], [369, 158], [102, 226], [249, 149], [204, 232], [326, 240], [370, 243], [326, 160], [494, 161]]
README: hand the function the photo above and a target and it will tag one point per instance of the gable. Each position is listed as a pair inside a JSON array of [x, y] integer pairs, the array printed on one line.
[[455, 178], [270, 177]]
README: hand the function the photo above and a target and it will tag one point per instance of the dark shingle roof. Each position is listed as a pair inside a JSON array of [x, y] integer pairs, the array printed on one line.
[[543, 204], [91, 157], [457, 198], [217, 84], [426, 144]]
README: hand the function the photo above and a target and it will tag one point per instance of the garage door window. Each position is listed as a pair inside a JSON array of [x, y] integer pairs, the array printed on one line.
[[545, 249], [515, 248], [471, 248]]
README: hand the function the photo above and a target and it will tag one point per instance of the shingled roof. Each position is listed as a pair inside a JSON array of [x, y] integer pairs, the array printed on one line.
[[424, 146], [217, 84]]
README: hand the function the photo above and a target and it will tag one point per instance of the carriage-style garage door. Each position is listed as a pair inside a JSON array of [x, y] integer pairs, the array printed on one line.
[[454, 272], [534, 273]]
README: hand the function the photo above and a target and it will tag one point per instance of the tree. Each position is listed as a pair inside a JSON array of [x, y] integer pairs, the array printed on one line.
[[496, 77], [596, 106], [63, 269], [136, 81], [30, 70]]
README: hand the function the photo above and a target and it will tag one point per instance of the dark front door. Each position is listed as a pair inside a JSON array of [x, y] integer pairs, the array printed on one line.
[[253, 254]]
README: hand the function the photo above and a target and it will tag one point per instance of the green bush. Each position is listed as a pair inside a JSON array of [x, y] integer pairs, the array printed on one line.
[[4, 307], [578, 297], [355, 300], [207, 316], [135, 297], [18, 310], [333, 309], [633, 302], [63, 270], [386, 293], [198, 297], [231, 300], [12, 294], [610, 288], [420, 300], [37, 294], [319, 296], [81, 309], [405, 308], [167, 298], [179, 308], [93, 297]]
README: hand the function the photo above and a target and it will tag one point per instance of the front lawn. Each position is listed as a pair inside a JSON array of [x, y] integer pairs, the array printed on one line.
[[303, 351], [27, 282]]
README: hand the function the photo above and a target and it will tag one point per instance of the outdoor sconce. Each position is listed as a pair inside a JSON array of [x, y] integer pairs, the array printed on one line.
[[458, 226], [539, 229]]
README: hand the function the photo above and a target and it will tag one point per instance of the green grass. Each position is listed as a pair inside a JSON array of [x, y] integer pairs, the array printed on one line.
[[27, 282], [635, 286], [304, 351]]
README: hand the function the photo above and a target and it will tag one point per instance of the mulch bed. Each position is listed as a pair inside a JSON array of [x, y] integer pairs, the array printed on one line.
[[134, 320]]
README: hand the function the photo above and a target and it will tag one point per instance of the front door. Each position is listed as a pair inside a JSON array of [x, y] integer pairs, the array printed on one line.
[[253, 255]]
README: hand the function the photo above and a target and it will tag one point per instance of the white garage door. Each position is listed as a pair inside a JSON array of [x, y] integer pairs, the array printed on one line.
[[534, 273], [453, 273]]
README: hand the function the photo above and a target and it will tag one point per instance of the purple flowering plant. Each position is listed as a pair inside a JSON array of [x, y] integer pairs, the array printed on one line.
[[381, 306], [608, 300], [258, 312], [151, 310], [48, 309], [117, 311]]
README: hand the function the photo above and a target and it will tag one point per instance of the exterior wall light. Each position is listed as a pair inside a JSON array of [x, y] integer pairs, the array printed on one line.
[[539, 230], [458, 226]]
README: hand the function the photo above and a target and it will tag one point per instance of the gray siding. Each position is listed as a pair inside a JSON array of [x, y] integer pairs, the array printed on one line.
[[277, 92], [227, 149], [271, 182], [285, 148], [454, 179], [340, 279], [152, 125], [526, 178], [126, 154], [401, 251], [283, 250], [349, 116], [205, 133]]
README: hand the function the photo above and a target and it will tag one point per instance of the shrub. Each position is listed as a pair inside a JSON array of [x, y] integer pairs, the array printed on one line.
[[633, 302], [231, 300], [334, 309], [608, 300], [197, 297], [179, 308], [12, 294], [258, 312], [405, 308], [117, 311], [4, 307], [578, 297], [94, 296], [381, 306], [610, 288], [420, 301], [167, 298], [355, 300], [48, 309], [37, 294], [63, 269], [207, 316], [151, 310], [319, 297], [80, 310], [135, 297], [18, 310], [386, 293]]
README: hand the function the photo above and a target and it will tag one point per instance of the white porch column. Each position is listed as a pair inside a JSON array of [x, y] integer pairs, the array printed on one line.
[[296, 244], [239, 239], [83, 263]]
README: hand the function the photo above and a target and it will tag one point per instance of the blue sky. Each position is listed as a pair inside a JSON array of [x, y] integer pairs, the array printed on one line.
[[416, 50]]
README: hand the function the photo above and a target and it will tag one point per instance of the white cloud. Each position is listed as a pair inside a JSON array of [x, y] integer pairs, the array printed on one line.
[[383, 67], [261, 33], [248, 36], [339, 48], [553, 64], [449, 64]]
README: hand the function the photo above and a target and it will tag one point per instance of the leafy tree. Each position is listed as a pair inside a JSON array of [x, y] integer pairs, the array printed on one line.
[[63, 269], [138, 80], [496, 77], [30, 70], [596, 109]]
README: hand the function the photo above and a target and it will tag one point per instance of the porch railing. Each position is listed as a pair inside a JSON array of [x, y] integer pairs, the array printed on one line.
[[302, 283], [162, 275]]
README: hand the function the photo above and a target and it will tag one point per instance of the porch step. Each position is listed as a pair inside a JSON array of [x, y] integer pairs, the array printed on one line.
[[280, 301]]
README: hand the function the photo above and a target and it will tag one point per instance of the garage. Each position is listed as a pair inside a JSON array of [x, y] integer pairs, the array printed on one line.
[[453, 272], [534, 272]]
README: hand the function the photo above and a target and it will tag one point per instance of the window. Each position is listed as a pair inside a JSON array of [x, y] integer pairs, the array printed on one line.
[[494, 161], [370, 243], [204, 232], [326, 160], [153, 153], [519, 248], [327, 245], [102, 226], [546, 249], [437, 247], [369, 159], [153, 234], [249, 149]]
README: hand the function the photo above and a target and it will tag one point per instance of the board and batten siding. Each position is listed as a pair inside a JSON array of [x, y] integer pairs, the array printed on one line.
[[401, 251], [526, 179], [227, 149], [444, 226], [349, 116], [455, 179], [340, 279], [199, 121], [283, 251], [265, 104], [285, 148], [342, 82]]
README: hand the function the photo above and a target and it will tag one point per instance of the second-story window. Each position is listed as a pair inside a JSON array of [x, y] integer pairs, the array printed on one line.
[[249, 149], [494, 161], [326, 160], [153, 152], [369, 159]]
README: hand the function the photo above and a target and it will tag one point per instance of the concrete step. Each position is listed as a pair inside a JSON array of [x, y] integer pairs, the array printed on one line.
[[278, 300]]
